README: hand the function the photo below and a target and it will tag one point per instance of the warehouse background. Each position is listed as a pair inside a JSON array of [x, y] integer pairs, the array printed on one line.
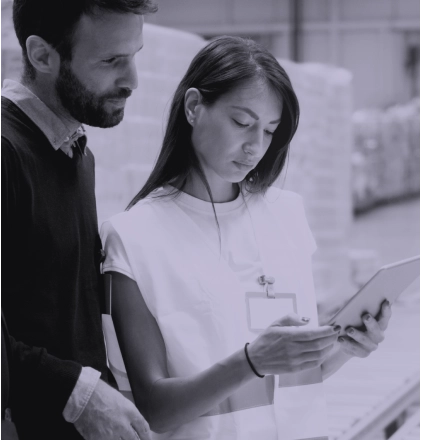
[[355, 157], [377, 40]]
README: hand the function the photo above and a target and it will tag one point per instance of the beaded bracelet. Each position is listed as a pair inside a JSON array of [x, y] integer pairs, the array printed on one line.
[[249, 361]]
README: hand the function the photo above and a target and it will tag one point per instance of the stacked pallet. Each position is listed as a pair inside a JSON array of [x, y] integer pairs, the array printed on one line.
[[385, 161], [11, 54], [366, 157], [319, 169]]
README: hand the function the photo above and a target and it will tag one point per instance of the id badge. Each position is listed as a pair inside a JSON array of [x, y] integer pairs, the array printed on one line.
[[263, 310]]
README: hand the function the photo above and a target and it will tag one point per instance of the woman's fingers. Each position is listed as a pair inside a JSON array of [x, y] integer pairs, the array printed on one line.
[[353, 348], [375, 328], [305, 361], [374, 332], [318, 344], [317, 355], [385, 314], [280, 349], [297, 354], [361, 344], [292, 319], [366, 338], [307, 366], [315, 334]]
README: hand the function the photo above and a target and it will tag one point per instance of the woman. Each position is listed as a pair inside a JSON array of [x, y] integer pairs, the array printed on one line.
[[213, 302]]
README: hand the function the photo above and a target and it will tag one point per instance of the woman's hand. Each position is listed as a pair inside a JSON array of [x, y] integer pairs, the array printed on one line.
[[286, 347], [362, 343]]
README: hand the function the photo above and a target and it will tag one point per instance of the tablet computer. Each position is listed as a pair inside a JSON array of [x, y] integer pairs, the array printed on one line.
[[387, 284]]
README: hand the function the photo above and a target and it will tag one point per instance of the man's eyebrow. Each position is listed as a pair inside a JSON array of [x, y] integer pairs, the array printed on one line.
[[252, 114], [121, 55]]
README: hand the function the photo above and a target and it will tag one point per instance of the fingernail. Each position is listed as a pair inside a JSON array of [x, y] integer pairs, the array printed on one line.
[[387, 302], [350, 331], [367, 318], [341, 339], [337, 328], [305, 319]]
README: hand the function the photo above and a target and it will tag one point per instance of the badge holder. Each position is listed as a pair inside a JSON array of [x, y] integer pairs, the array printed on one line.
[[263, 308]]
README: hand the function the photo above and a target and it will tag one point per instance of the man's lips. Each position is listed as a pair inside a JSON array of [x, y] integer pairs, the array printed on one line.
[[117, 101]]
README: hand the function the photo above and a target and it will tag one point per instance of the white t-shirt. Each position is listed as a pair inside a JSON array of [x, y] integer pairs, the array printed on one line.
[[235, 243]]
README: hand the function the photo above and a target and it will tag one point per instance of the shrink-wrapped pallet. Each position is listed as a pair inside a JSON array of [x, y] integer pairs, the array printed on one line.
[[366, 158], [414, 147], [319, 167], [394, 141], [386, 162]]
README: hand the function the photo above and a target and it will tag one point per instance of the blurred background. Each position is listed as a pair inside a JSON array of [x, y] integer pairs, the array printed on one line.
[[355, 65]]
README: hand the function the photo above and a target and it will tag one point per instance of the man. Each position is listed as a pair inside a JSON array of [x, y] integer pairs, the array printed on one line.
[[78, 58]]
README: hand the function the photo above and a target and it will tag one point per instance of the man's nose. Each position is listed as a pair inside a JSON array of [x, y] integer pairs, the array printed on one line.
[[129, 78]]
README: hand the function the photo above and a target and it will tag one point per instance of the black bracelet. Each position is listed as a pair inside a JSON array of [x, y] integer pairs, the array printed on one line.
[[251, 365]]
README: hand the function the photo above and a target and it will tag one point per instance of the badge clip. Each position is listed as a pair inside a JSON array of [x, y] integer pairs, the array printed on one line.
[[268, 283]]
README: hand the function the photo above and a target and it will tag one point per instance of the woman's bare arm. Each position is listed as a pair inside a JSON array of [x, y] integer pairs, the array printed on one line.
[[166, 402]]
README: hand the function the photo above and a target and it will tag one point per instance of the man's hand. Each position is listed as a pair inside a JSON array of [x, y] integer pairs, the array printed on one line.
[[110, 416]]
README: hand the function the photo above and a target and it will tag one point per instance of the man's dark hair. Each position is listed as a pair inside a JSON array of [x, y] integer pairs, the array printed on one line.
[[55, 21]]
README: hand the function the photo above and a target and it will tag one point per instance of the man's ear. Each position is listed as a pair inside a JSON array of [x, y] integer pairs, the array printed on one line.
[[192, 101], [42, 55]]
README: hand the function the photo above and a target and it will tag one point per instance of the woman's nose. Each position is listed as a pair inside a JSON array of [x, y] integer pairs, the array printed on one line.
[[254, 144]]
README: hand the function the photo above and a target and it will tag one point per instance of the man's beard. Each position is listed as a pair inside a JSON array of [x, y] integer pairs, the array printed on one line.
[[84, 105]]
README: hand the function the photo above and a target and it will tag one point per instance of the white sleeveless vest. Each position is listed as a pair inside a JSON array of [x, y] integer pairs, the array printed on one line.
[[199, 305]]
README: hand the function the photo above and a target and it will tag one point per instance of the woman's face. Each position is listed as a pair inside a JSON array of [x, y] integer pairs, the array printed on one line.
[[231, 135]]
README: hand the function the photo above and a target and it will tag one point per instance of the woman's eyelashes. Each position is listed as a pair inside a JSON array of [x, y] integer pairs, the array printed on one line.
[[240, 124]]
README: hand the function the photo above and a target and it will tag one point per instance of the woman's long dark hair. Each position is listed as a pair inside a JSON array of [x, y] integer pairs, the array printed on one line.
[[218, 68]]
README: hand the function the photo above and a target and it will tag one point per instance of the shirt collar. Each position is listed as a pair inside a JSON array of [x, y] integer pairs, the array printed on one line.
[[54, 128]]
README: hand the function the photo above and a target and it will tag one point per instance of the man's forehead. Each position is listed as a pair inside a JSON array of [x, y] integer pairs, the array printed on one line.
[[109, 32]]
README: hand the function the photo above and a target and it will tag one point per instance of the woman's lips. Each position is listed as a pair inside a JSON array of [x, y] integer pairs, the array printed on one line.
[[244, 166]]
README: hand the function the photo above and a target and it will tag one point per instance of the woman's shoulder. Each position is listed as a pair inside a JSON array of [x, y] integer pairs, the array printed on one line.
[[144, 211]]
